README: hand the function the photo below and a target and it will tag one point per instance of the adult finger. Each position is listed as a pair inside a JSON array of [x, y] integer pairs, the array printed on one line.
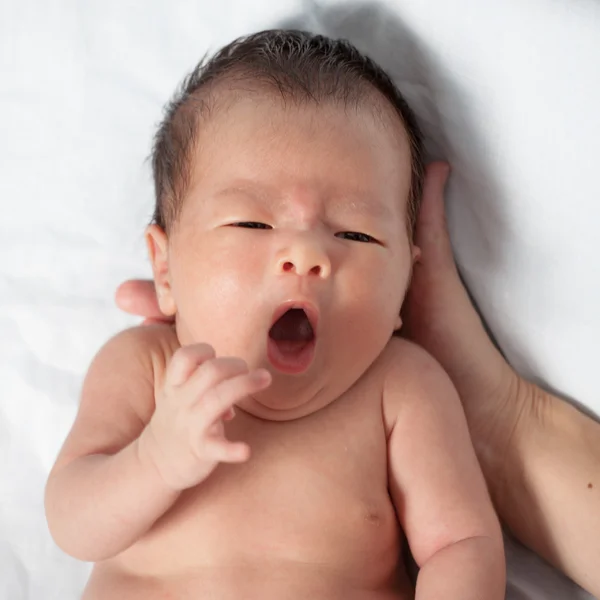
[[431, 234], [138, 297]]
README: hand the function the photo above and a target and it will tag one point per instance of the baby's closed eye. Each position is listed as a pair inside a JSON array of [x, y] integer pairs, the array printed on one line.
[[251, 225], [354, 236], [357, 236]]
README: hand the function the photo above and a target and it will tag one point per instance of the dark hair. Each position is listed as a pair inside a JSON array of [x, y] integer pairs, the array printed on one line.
[[298, 65]]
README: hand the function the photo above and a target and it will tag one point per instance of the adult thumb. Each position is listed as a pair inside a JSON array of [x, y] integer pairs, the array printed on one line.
[[431, 234]]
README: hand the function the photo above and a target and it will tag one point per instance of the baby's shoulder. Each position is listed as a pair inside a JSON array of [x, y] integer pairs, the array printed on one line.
[[147, 339], [411, 379], [118, 392], [143, 351], [403, 362]]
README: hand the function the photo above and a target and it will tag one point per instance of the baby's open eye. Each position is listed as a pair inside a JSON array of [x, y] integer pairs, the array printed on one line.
[[251, 225], [356, 236]]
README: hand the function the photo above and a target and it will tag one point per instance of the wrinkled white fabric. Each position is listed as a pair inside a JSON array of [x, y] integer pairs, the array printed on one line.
[[508, 91]]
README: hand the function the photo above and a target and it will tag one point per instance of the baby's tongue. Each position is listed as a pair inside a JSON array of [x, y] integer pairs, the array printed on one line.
[[291, 346], [293, 326]]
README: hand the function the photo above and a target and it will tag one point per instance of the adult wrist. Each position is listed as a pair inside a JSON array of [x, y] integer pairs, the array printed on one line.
[[526, 410]]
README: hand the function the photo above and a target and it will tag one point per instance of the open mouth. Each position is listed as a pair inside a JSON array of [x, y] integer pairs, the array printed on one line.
[[291, 344]]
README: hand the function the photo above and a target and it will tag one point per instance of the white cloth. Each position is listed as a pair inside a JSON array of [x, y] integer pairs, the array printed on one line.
[[508, 91]]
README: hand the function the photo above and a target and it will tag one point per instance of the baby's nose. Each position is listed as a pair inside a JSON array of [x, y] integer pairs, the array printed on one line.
[[304, 258]]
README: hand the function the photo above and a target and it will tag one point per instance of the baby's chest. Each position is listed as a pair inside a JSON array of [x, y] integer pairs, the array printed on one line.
[[313, 494]]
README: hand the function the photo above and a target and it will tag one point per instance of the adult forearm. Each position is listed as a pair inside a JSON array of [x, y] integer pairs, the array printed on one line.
[[547, 488], [99, 505], [473, 568]]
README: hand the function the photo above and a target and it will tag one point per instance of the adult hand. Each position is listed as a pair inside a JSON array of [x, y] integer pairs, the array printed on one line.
[[539, 454], [439, 316]]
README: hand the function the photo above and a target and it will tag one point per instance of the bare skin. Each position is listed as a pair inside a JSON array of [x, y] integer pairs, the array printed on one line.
[[539, 454], [307, 513], [555, 512], [306, 490]]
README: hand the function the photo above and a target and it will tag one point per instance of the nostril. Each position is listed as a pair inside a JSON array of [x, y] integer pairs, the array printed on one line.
[[291, 267]]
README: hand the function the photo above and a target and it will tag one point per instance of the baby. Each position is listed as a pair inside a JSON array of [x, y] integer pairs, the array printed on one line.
[[278, 441]]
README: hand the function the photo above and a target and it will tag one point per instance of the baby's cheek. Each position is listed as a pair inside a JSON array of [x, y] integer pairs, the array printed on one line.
[[219, 298], [387, 289], [229, 291]]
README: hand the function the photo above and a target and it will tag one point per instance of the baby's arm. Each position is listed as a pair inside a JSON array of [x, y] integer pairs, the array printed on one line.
[[437, 486], [127, 457], [100, 497]]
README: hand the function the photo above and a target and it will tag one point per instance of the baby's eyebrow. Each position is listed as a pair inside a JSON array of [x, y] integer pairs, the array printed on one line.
[[352, 205], [253, 189], [343, 203]]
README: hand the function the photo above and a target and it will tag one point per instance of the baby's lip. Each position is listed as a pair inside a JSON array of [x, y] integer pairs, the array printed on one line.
[[311, 311]]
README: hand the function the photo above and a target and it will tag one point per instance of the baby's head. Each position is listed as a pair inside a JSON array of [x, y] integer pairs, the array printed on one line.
[[298, 69], [288, 171]]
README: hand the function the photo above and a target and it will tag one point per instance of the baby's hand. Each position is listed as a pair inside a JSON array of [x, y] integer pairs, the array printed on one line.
[[185, 438]]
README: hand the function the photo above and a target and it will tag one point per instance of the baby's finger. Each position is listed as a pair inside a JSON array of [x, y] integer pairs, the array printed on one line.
[[186, 360], [221, 450], [212, 373], [219, 399]]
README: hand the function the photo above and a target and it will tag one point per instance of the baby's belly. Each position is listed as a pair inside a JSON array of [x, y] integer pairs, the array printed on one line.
[[250, 582], [275, 541]]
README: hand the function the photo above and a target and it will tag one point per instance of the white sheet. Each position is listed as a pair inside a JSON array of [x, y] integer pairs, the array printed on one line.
[[508, 90]]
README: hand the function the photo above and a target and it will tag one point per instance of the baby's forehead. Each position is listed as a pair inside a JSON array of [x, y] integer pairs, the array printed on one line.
[[371, 104], [338, 201], [231, 112], [357, 148]]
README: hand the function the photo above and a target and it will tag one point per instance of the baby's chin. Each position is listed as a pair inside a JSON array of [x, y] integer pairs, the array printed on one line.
[[286, 401]]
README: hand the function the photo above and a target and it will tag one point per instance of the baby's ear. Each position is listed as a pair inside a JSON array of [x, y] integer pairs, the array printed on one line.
[[158, 250]]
